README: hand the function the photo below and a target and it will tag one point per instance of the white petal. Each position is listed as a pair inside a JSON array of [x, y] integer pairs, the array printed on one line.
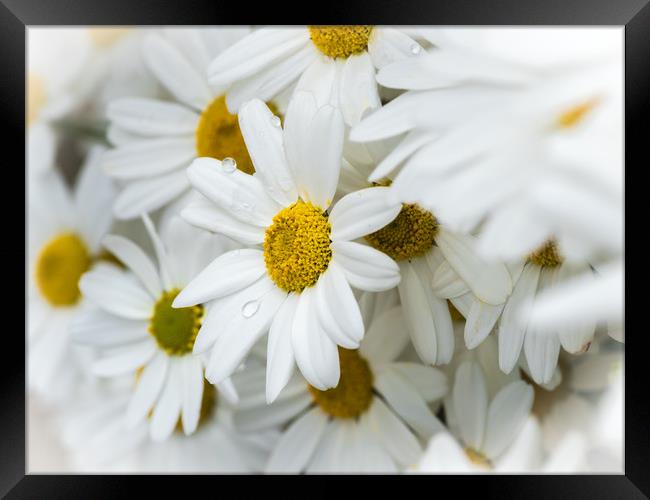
[[206, 215], [446, 282], [101, 329], [506, 416], [263, 136], [191, 372], [176, 73], [358, 88], [386, 337], [470, 403], [241, 195], [147, 195], [313, 139], [511, 331], [412, 141], [225, 275], [398, 440], [149, 386], [480, 321], [298, 442], [316, 355], [280, 361], [149, 157], [407, 403], [337, 308], [542, 350], [168, 409], [116, 291], [362, 212], [430, 382], [365, 268], [144, 116], [268, 416], [490, 281], [136, 260], [126, 360], [389, 45], [242, 329]]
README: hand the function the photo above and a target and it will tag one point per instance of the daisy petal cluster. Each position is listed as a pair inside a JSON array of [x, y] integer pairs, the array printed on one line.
[[325, 249]]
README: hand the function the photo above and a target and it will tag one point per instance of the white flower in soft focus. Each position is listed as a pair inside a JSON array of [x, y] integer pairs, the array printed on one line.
[[131, 323], [55, 63], [95, 431], [295, 277], [342, 58], [373, 421], [65, 229], [531, 145], [422, 246], [156, 140], [493, 432]]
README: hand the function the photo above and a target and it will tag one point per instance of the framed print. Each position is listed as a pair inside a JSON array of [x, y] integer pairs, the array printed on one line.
[[261, 248]]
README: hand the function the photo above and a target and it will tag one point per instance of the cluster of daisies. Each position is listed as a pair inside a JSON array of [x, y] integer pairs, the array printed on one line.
[[325, 249]]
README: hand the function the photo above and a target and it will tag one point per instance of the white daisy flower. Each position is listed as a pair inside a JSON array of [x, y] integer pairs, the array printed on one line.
[[487, 426], [423, 246], [339, 58], [156, 140], [372, 420], [298, 282], [514, 150], [99, 440], [65, 229], [135, 329]]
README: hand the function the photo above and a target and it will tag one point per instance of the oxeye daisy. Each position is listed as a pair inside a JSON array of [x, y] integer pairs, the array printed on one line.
[[136, 331], [65, 229], [420, 243], [333, 57], [296, 275], [371, 422], [156, 140], [538, 132], [486, 424], [98, 439]]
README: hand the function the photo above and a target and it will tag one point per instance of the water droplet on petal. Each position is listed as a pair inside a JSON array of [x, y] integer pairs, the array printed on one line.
[[249, 309], [275, 121], [229, 165], [415, 49]]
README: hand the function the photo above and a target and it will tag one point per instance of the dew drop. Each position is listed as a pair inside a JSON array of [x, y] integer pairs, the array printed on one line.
[[249, 309], [275, 121], [415, 49], [229, 165]]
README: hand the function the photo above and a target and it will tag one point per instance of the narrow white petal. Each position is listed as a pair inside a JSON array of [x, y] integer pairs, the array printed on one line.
[[358, 93], [205, 215], [149, 386], [168, 409], [192, 383], [396, 438], [386, 337], [126, 360], [470, 403], [145, 116], [280, 361], [136, 260], [365, 268]]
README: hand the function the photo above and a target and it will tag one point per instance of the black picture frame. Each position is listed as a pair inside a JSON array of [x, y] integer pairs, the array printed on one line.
[[16, 15]]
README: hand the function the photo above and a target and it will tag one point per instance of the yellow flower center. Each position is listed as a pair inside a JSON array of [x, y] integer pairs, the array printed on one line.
[[105, 37], [59, 266], [297, 246], [218, 135], [353, 395], [175, 329], [340, 41], [36, 97], [576, 114], [477, 458], [547, 255], [409, 235]]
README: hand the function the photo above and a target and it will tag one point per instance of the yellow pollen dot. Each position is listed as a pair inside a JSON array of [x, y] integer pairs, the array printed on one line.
[[477, 458], [59, 266], [547, 255], [218, 135], [575, 114], [409, 235], [297, 246], [36, 97], [353, 395], [340, 41], [105, 37], [175, 329]]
